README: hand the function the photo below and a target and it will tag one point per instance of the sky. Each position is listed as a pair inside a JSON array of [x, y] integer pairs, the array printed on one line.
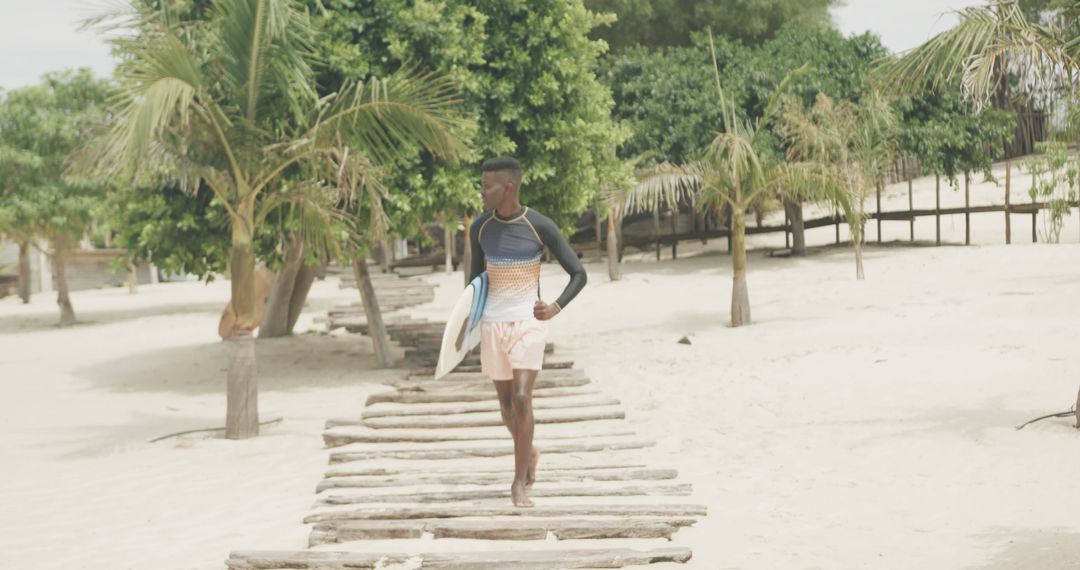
[[38, 36]]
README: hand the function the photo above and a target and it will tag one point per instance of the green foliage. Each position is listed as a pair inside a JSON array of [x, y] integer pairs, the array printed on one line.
[[949, 137], [1055, 174], [525, 73], [43, 129], [667, 96], [656, 23]]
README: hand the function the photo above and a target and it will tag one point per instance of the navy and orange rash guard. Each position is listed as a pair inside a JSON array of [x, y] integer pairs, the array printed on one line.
[[509, 249]]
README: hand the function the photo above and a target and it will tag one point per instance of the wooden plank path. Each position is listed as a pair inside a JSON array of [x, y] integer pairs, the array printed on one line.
[[429, 464]]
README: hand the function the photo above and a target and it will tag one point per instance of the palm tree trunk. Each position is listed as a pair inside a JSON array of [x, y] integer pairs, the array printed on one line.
[[448, 244], [619, 219], [63, 298], [300, 291], [614, 270], [794, 211], [599, 236], [376, 328], [24, 271], [133, 278], [242, 401], [467, 253], [275, 321], [740, 294]]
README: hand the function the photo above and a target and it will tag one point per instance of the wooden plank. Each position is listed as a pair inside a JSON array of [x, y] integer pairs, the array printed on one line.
[[500, 529], [549, 559], [425, 382], [483, 560], [383, 411], [540, 491], [495, 419], [562, 379], [400, 397], [366, 530], [364, 482], [495, 451], [367, 471], [457, 511], [309, 560], [346, 434], [473, 366]]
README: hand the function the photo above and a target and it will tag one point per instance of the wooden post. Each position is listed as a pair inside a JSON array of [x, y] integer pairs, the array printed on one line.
[[937, 205], [675, 233], [911, 206], [448, 243], [879, 185], [836, 215], [787, 230], [656, 228], [1008, 184], [1034, 226], [967, 206]]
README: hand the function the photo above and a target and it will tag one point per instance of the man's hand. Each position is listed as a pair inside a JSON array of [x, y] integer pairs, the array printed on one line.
[[543, 311]]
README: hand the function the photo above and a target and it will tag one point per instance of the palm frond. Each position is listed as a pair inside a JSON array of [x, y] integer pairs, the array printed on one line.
[[663, 186], [390, 118], [265, 47], [989, 43]]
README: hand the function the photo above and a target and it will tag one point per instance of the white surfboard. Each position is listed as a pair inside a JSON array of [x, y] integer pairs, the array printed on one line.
[[462, 332]]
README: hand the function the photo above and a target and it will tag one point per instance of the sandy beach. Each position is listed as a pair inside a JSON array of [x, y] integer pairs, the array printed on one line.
[[853, 425]]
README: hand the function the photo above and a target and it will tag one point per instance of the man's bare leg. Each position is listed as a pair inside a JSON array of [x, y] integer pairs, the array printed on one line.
[[506, 408], [523, 421]]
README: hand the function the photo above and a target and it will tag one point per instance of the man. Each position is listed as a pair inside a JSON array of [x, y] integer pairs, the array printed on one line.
[[508, 241]]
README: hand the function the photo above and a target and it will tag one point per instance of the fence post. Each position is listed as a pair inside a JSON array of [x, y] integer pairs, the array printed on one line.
[[937, 205], [787, 230], [1034, 226], [967, 207], [1008, 185], [911, 206], [836, 216], [879, 185]]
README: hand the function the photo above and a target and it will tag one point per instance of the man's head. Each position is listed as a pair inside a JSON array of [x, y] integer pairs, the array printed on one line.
[[500, 183]]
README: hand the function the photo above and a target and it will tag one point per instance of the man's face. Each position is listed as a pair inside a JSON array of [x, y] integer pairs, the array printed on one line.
[[494, 188]]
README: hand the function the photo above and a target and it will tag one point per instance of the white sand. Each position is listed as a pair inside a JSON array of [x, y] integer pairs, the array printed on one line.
[[854, 425]]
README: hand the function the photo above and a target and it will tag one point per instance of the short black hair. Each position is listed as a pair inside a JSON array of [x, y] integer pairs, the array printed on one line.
[[503, 164]]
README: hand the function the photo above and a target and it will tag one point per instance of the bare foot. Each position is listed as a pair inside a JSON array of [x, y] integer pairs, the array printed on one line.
[[530, 476], [519, 496]]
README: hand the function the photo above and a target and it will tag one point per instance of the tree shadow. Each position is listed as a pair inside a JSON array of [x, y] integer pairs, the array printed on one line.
[[282, 364], [1045, 549], [49, 321]]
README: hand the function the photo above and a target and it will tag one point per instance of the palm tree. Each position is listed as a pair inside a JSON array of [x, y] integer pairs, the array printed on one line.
[[230, 100], [734, 173], [852, 146]]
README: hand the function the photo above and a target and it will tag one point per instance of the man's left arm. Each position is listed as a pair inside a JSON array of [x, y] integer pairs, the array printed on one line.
[[568, 259]]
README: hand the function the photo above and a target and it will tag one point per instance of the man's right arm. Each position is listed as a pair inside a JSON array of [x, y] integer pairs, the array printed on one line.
[[478, 262]]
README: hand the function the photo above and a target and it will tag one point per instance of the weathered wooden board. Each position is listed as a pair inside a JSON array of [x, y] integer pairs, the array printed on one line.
[[483, 451], [495, 419], [559, 476], [485, 560], [457, 511], [468, 396], [539, 491]]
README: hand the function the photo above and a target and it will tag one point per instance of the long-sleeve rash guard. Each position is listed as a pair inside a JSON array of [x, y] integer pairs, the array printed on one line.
[[510, 250]]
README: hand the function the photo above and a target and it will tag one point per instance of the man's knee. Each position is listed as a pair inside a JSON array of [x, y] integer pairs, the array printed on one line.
[[522, 402]]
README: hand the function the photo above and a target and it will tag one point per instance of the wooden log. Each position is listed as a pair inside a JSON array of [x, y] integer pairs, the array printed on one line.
[[365, 530], [499, 529], [367, 471], [617, 490], [543, 382], [494, 419], [470, 396], [382, 411], [548, 559], [309, 560], [489, 451], [483, 560], [540, 511], [558, 476], [344, 435], [454, 378]]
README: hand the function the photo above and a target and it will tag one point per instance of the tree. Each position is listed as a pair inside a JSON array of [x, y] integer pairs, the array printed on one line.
[[526, 74], [44, 128], [737, 170], [657, 23], [853, 144], [229, 101]]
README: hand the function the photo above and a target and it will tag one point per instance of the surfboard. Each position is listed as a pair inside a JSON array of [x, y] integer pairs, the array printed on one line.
[[462, 332]]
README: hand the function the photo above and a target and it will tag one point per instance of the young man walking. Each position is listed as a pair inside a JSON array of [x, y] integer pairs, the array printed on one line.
[[508, 241]]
